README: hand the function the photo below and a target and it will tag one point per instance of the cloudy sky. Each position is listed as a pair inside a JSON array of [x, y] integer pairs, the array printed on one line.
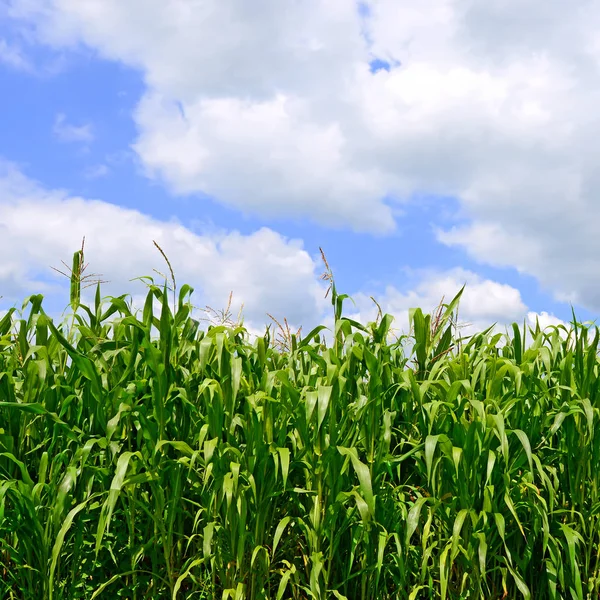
[[423, 145]]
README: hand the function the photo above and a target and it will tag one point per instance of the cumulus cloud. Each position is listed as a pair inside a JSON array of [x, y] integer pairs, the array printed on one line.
[[273, 109], [484, 302], [12, 56], [266, 272], [545, 320], [39, 227], [68, 132], [263, 157], [261, 105], [96, 171]]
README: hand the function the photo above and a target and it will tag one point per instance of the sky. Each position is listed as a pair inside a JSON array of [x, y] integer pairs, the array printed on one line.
[[422, 145]]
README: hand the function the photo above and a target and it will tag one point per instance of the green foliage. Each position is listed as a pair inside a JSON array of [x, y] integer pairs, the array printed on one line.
[[196, 464]]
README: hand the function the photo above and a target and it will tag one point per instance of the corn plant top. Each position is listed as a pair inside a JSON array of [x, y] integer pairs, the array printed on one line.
[[143, 457]]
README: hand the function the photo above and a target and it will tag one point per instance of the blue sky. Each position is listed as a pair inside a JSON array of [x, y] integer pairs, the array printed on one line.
[[416, 153]]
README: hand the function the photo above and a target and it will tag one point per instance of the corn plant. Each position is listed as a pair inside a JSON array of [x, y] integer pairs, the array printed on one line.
[[198, 464]]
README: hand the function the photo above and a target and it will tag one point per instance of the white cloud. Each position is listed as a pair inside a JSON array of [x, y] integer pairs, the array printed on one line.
[[484, 302], [12, 56], [265, 271], [67, 132], [262, 157], [96, 171], [273, 109], [545, 320], [260, 126]]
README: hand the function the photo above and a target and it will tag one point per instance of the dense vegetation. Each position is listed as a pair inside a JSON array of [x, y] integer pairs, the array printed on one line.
[[143, 457]]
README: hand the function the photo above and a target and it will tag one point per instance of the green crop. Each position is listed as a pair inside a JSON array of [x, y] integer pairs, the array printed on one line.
[[144, 457]]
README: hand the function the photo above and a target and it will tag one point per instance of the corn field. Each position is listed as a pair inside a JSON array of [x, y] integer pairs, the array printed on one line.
[[144, 457]]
